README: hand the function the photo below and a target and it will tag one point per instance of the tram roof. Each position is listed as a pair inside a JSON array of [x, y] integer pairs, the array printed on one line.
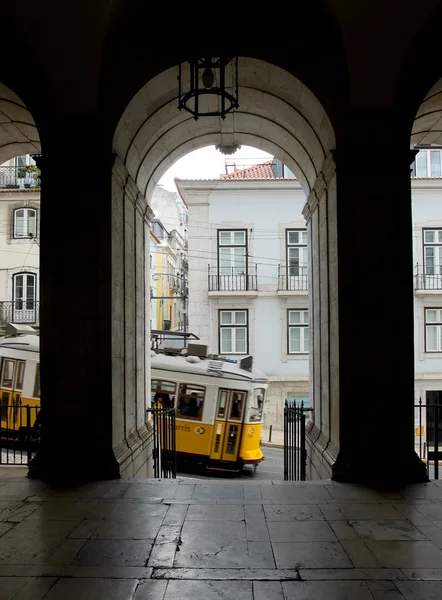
[[30, 343], [206, 366]]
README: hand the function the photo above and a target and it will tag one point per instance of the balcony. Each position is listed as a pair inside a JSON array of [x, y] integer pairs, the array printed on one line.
[[224, 281], [20, 311], [17, 178], [427, 278], [297, 281]]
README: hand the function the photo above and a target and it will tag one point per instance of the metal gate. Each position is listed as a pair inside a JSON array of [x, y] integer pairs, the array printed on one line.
[[295, 454], [164, 442], [19, 433], [428, 436]]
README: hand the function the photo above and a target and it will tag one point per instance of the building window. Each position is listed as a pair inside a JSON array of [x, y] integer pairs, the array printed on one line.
[[232, 252], [427, 163], [433, 251], [298, 332], [25, 223], [433, 330], [25, 291], [296, 251], [233, 331]]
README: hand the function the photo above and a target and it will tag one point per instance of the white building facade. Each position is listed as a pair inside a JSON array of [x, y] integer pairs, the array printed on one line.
[[427, 253], [248, 276], [19, 244], [169, 266]]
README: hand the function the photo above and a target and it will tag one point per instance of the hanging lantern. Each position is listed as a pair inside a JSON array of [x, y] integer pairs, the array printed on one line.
[[207, 95]]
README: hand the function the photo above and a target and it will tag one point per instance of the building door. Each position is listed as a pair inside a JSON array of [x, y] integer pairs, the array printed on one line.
[[228, 425], [24, 305]]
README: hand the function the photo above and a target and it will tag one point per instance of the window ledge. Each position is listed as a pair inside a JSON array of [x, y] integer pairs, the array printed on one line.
[[289, 293], [228, 293]]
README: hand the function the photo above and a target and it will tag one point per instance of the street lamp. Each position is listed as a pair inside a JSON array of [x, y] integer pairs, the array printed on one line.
[[207, 79]]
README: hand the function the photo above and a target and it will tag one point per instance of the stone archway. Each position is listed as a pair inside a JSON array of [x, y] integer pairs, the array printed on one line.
[[18, 132], [278, 114]]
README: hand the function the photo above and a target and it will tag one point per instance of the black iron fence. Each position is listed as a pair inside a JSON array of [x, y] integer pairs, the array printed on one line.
[[295, 453], [230, 280], [292, 280], [427, 278], [164, 441], [20, 311], [19, 433], [428, 436]]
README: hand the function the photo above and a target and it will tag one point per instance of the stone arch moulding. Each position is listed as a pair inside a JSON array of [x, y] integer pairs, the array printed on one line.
[[18, 132], [277, 113]]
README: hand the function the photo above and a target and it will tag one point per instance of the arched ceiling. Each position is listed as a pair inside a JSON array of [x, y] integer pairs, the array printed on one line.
[[276, 113], [18, 133], [427, 126]]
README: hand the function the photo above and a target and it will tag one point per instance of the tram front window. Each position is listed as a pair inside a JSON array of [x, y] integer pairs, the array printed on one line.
[[257, 405]]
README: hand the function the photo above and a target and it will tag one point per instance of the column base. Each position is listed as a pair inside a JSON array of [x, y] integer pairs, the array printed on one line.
[[73, 469], [380, 471]]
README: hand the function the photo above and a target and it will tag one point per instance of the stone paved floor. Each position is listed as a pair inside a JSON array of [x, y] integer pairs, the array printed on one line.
[[218, 540]]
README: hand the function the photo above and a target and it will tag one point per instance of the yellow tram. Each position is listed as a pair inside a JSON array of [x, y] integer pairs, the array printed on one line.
[[218, 403], [19, 382]]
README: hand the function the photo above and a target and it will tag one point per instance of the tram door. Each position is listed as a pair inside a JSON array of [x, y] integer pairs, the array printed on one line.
[[228, 425]]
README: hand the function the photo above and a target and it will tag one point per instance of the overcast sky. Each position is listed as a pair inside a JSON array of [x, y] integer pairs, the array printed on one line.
[[207, 163]]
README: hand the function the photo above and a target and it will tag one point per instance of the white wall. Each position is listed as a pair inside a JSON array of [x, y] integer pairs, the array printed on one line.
[[427, 213], [16, 255]]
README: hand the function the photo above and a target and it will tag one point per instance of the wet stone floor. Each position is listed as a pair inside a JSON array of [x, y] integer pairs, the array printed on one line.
[[193, 539]]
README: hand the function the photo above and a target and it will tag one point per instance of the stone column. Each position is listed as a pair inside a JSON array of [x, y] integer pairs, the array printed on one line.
[[131, 324], [75, 314], [361, 245], [323, 422]]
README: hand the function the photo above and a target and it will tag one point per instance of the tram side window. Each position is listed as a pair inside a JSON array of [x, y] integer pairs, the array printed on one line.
[[37, 382], [20, 375], [8, 373], [257, 405], [163, 392], [190, 401]]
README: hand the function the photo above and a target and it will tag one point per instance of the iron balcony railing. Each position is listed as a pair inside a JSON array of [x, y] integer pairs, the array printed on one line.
[[20, 311], [292, 279], [427, 278], [230, 280], [16, 178], [428, 436]]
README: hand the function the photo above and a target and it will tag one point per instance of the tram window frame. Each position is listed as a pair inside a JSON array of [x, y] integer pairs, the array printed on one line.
[[192, 389], [5, 361], [258, 404], [243, 396], [163, 390], [20, 371], [226, 394], [37, 382]]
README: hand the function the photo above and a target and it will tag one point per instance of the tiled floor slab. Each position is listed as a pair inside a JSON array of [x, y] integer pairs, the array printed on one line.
[[301, 531], [209, 590], [93, 589], [406, 555], [290, 512], [387, 530], [310, 555], [133, 553], [326, 590], [420, 590], [215, 512]]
